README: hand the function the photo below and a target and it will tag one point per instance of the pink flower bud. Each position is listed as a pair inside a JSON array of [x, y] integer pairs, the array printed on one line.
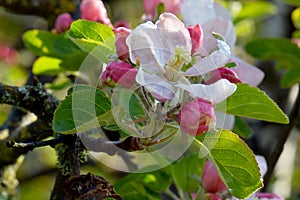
[[9, 55], [172, 6], [94, 10], [120, 43], [211, 181], [269, 196], [196, 37], [150, 8], [122, 23], [63, 22], [223, 73], [119, 72], [196, 117]]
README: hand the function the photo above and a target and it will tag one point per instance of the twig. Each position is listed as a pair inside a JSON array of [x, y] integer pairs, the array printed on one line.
[[293, 116], [33, 98], [31, 145]]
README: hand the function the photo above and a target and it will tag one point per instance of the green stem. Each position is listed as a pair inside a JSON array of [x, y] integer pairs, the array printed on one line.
[[171, 194]]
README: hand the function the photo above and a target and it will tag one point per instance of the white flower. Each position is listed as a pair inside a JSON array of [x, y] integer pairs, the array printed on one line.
[[163, 48]]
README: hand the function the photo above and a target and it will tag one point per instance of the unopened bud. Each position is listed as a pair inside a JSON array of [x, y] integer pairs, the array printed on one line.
[[222, 73], [119, 72], [211, 181], [63, 22], [94, 10], [150, 8], [196, 117]]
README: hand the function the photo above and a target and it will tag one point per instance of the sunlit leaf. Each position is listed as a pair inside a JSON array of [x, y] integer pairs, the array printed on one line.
[[233, 160], [45, 43], [296, 17], [93, 37], [47, 66]]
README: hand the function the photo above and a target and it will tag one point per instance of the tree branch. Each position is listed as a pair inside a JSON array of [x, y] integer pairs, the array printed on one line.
[[294, 117]]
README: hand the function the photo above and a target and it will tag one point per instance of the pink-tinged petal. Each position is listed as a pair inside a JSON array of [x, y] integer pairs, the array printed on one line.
[[157, 86], [224, 121], [268, 196], [153, 44], [215, 93], [63, 22], [94, 10], [197, 11], [196, 37], [216, 59], [211, 181], [247, 73], [197, 117]]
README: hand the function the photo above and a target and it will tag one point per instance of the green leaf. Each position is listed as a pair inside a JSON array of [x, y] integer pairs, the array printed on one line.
[[281, 50], [147, 184], [47, 66], [296, 18], [85, 108], [251, 102], [93, 37], [187, 172], [241, 128], [45, 43], [290, 78], [233, 160]]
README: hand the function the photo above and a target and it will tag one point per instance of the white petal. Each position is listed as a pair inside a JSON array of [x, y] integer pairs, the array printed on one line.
[[224, 121], [215, 93], [262, 164], [197, 11], [220, 26], [155, 84], [247, 73], [211, 62], [222, 12], [154, 44]]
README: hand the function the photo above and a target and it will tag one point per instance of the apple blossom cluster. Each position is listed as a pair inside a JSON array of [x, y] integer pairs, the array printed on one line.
[[178, 63], [184, 67]]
